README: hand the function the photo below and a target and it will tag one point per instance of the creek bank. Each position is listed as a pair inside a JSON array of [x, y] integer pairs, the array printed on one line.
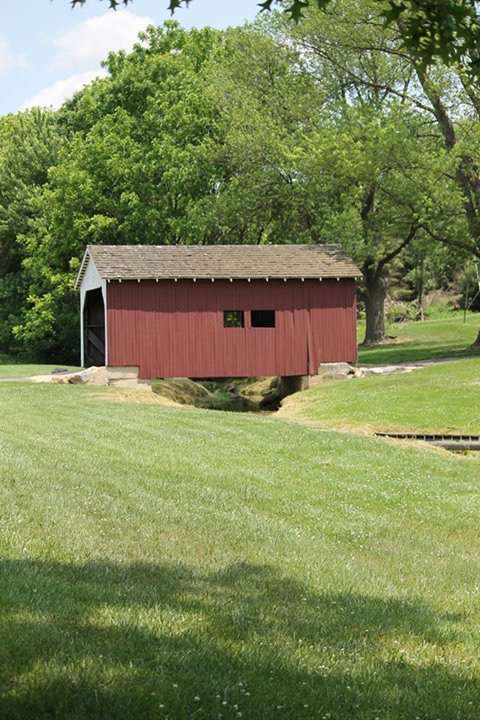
[[262, 394]]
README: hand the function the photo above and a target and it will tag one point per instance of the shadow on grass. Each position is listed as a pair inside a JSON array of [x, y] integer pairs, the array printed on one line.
[[105, 640]]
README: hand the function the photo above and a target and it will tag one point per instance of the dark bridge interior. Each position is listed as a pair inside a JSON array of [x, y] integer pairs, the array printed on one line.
[[94, 328]]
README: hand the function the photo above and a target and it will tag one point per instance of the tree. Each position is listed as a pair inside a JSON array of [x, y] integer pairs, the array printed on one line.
[[385, 176], [138, 159], [280, 132], [369, 61], [29, 148], [445, 97], [311, 154], [264, 109], [368, 168], [445, 29], [461, 137]]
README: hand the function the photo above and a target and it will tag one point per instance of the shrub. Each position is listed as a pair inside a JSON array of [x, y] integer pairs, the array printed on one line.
[[401, 312]]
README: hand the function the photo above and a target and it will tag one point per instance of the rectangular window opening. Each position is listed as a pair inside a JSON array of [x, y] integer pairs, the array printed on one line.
[[233, 319], [263, 318]]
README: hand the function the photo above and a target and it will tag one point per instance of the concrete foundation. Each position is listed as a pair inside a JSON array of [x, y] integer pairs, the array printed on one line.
[[122, 377]]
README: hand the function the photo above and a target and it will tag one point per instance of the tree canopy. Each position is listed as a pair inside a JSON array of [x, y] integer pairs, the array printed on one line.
[[431, 29], [325, 130], [372, 161]]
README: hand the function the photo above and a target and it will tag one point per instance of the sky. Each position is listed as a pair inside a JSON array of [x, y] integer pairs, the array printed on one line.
[[48, 51]]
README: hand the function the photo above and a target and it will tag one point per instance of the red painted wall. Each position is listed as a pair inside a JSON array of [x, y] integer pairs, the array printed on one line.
[[171, 329]]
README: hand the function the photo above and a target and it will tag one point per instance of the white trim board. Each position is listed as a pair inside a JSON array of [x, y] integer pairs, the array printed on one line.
[[91, 280]]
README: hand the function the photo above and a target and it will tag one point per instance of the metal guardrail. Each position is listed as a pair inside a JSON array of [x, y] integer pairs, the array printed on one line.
[[457, 443]]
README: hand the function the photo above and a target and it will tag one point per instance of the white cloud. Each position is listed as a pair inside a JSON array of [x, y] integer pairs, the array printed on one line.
[[55, 95], [87, 44], [8, 59], [82, 49]]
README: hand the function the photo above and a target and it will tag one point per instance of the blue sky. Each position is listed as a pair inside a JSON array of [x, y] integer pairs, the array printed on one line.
[[48, 50]]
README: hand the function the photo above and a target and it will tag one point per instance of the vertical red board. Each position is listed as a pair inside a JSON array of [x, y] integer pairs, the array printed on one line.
[[175, 329]]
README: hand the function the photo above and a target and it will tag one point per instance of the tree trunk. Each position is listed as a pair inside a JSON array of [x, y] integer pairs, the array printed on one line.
[[467, 174], [420, 272], [375, 293]]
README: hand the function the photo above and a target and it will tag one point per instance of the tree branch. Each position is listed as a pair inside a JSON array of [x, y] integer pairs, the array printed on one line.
[[393, 254], [473, 249]]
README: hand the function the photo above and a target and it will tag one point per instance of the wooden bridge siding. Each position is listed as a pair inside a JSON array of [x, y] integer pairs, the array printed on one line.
[[173, 329]]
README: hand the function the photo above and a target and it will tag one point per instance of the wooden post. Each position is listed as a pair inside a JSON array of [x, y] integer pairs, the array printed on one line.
[[467, 298]]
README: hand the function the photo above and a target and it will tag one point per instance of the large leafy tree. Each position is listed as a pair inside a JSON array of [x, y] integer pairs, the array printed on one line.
[[139, 156], [315, 155], [265, 107], [29, 147], [385, 176], [446, 99]]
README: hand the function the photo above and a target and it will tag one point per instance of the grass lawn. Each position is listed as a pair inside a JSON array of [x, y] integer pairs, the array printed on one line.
[[10, 368], [445, 336], [440, 398], [164, 563]]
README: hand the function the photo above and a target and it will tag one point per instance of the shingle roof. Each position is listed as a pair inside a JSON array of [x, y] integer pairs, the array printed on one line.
[[164, 262]]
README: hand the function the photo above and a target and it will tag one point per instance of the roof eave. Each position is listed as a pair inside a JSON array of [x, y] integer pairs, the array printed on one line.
[[83, 267], [326, 276]]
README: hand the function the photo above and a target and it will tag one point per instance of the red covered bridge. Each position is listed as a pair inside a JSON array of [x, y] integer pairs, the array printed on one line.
[[217, 311]]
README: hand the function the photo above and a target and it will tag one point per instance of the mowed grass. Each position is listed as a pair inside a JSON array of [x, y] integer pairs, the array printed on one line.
[[440, 337], [164, 563], [11, 368], [442, 398]]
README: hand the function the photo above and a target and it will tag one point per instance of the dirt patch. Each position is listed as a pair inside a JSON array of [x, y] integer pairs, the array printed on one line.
[[126, 395], [398, 340], [180, 391], [390, 340]]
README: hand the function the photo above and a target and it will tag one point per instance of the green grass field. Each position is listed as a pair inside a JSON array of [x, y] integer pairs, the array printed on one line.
[[440, 398], [440, 337], [9, 368], [163, 563]]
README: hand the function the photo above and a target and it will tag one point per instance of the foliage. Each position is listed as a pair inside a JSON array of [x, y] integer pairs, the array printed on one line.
[[448, 96], [138, 156], [266, 108], [221, 399], [303, 157], [30, 144], [399, 312], [430, 29], [371, 167], [271, 133]]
